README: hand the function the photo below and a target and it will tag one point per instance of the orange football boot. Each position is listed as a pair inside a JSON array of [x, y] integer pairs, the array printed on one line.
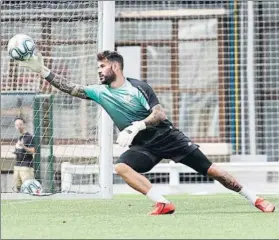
[[162, 208], [264, 205]]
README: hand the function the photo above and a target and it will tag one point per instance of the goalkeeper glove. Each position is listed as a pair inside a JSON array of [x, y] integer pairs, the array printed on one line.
[[127, 135], [36, 64]]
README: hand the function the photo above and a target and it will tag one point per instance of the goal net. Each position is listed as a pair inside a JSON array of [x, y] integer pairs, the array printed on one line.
[[66, 128], [213, 65]]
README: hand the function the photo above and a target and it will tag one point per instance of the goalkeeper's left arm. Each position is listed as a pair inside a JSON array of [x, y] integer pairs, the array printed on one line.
[[36, 64]]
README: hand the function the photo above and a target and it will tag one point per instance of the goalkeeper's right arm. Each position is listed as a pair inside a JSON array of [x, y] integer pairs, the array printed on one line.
[[36, 64]]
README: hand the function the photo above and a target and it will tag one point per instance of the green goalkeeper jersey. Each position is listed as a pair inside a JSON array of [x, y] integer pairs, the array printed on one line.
[[131, 102]]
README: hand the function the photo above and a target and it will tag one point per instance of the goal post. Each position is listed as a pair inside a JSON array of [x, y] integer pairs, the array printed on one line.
[[43, 139], [107, 41]]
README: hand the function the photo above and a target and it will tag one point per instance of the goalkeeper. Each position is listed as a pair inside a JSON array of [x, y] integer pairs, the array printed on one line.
[[144, 128]]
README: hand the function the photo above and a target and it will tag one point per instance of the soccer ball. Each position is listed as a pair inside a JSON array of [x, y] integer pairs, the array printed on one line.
[[31, 186], [21, 47]]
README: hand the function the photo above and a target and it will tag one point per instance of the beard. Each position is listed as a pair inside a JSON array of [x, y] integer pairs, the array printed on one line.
[[108, 78]]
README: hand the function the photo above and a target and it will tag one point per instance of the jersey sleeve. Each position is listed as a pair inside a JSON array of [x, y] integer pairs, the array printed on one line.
[[93, 92], [30, 141], [147, 96]]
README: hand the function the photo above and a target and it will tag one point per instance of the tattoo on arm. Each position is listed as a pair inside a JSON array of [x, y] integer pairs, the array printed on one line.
[[156, 116], [229, 182], [66, 86]]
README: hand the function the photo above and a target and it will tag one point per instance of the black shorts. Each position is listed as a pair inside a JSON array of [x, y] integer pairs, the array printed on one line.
[[175, 146], [167, 143]]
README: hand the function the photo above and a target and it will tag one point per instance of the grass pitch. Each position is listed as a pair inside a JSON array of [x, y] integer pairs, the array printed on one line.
[[204, 217]]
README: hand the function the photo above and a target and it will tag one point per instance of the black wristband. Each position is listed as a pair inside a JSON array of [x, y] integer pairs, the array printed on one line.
[[50, 77]]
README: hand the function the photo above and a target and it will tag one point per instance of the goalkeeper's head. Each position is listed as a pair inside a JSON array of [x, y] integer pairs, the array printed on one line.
[[110, 66]]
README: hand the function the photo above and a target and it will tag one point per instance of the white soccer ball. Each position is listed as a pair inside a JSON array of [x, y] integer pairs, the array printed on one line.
[[21, 47], [31, 186]]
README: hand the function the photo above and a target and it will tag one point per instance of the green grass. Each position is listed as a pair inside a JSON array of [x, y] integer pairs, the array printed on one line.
[[213, 216]]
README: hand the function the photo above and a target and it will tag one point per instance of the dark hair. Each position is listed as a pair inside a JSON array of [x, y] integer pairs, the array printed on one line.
[[19, 118], [112, 56]]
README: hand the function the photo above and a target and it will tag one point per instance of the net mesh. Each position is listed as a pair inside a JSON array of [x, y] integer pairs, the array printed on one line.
[[178, 48], [66, 33], [195, 54]]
